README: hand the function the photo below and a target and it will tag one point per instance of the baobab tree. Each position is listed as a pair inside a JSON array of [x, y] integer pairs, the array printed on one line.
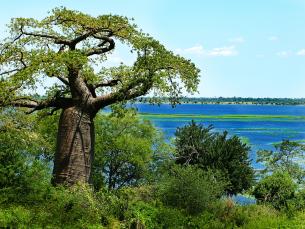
[[69, 46]]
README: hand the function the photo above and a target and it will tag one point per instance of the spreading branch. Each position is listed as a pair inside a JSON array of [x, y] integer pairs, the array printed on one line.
[[84, 36], [10, 71], [34, 105], [57, 39], [109, 83], [21, 60], [63, 80], [134, 89], [101, 47]]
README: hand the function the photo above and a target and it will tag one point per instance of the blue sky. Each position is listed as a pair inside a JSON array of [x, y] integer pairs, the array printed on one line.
[[243, 48]]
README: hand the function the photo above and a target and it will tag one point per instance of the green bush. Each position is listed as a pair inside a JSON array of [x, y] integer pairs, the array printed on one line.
[[190, 188], [276, 189], [170, 218], [229, 214], [15, 217], [74, 207], [200, 146]]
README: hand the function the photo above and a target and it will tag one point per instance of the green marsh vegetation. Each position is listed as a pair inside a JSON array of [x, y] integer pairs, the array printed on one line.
[[246, 118]]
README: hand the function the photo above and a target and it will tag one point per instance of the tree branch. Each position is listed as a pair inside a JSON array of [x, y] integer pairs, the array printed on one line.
[[77, 84], [24, 103], [57, 102], [62, 48], [16, 69], [10, 71], [63, 80], [57, 40], [85, 36], [134, 89], [109, 83], [102, 49]]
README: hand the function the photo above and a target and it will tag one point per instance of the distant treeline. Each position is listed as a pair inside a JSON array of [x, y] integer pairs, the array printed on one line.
[[231, 100]]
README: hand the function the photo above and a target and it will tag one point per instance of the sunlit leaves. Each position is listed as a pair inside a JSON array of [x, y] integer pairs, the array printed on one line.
[[197, 145], [126, 147], [289, 157], [68, 39]]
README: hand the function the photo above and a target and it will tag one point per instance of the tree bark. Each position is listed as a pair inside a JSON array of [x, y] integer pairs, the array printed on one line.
[[75, 147]]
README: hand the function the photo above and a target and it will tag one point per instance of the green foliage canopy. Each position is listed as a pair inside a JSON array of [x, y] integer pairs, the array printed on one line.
[[289, 157], [276, 189], [197, 145], [127, 149], [24, 157], [69, 46], [190, 188]]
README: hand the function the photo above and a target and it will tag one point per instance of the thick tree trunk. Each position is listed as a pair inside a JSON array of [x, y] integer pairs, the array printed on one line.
[[75, 147]]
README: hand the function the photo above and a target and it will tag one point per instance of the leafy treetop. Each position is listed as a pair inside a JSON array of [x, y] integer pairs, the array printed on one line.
[[69, 45], [288, 157], [200, 146]]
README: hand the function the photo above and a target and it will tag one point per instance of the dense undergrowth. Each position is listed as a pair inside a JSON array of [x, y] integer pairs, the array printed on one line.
[[168, 186], [80, 207]]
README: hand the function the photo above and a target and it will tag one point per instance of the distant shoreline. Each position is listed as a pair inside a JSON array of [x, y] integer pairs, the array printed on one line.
[[240, 117], [228, 101]]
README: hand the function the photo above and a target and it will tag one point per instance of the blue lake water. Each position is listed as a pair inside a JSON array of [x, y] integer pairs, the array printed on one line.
[[261, 134]]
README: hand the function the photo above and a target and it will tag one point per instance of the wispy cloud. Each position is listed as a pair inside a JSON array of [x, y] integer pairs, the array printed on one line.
[[224, 51], [199, 50], [237, 40], [283, 53], [273, 38], [301, 52]]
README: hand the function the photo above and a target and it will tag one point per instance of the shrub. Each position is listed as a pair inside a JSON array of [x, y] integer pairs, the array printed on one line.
[[276, 189], [15, 217], [170, 218], [197, 145], [190, 188], [74, 207]]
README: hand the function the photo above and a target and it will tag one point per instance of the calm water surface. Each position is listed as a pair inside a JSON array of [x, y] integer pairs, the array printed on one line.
[[260, 133]]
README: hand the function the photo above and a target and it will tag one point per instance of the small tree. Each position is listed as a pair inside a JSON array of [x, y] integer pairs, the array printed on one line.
[[125, 149], [22, 174], [197, 145], [277, 189], [288, 157], [68, 46]]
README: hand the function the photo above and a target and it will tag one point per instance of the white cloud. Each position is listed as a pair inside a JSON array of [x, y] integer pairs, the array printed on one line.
[[301, 52], [273, 38], [283, 53], [237, 40], [198, 50], [224, 51], [195, 50]]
